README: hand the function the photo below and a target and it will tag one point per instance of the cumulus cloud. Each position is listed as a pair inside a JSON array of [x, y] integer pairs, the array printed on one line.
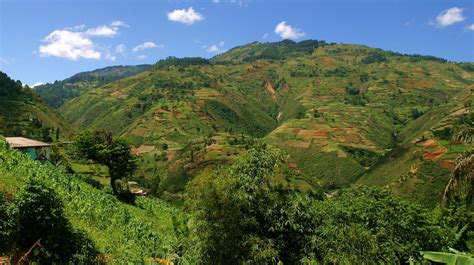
[[36, 84], [288, 32], [185, 16], [75, 42], [265, 36], [450, 16], [470, 27], [214, 48], [70, 45], [145, 45]]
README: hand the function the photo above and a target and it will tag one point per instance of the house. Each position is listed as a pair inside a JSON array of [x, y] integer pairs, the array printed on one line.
[[35, 149]]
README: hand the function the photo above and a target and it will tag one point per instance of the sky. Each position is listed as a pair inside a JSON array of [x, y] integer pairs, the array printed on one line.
[[46, 40]]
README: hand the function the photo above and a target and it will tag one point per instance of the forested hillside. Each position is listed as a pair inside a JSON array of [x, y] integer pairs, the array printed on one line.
[[23, 113], [57, 93], [343, 113]]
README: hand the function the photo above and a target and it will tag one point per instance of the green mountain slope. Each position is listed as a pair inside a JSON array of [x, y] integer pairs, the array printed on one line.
[[23, 113], [57, 93], [336, 109]]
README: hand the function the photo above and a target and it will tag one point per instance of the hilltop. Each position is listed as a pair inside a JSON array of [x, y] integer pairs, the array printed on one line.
[[342, 112], [57, 93], [24, 113]]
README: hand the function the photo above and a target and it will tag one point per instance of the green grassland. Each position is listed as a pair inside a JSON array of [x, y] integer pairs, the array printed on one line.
[[329, 106]]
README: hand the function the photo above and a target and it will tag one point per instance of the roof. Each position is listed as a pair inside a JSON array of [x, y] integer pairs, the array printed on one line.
[[21, 142]]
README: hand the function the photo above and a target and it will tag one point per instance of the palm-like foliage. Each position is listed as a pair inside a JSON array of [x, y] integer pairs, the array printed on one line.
[[462, 179], [464, 134]]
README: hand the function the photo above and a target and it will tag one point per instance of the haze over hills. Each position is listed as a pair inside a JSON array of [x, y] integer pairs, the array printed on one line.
[[342, 112]]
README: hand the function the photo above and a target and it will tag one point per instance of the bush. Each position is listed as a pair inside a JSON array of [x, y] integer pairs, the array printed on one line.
[[38, 215]]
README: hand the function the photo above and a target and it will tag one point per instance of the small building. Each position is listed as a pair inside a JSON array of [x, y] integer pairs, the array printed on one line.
[[35, 149]]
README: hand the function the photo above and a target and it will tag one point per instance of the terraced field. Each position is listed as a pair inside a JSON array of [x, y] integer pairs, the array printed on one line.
[[339, 111]]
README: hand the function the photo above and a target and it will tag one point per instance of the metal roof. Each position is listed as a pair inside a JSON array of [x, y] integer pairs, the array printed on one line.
[[21, 142]]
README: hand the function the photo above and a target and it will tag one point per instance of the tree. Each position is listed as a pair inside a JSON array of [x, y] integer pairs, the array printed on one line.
[[241, 215], [102, 148]]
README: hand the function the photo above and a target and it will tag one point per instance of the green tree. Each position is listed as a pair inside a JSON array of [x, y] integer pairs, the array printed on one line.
[[102, 148], [240, 215]]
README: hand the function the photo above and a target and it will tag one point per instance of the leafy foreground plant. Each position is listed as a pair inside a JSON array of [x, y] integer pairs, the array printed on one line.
[[241, 216], [120, 233], [456, 258]]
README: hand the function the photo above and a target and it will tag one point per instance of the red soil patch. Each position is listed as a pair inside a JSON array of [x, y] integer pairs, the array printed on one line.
[[429, 142], [327, 61], [448, 164], [270, 89], [293, 165], [308, 92], [435, 154], [342, 139]]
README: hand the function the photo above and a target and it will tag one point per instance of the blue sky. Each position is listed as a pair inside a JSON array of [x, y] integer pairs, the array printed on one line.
[[43, 41]]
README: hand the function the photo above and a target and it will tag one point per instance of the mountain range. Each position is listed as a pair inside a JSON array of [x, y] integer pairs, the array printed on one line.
[[343, 114]]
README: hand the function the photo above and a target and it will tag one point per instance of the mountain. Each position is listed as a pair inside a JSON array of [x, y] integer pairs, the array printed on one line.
[[57, 93], [343, 113], [23, 113]]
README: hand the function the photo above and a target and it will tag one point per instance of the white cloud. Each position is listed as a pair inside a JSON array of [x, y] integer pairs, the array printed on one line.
[[265, 36], [185, 16], [288, 32], [118, 23], [450, 16], [75, 43], [103, 31], [37, 84], [106, 30], [70, 45], [470, 27], [121, 48], [146, 45], [141, 57], [214, 48], [216, 1]]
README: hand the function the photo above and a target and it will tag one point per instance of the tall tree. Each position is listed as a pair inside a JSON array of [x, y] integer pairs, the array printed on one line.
[[101, 147]]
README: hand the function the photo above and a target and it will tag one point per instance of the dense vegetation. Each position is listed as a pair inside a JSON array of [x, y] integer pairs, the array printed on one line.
[[57, 93], [340, 111], [239, 213], [293, 152], [23, 113]]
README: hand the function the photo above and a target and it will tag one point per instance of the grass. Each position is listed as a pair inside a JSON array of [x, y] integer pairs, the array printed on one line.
[[120, 232]]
